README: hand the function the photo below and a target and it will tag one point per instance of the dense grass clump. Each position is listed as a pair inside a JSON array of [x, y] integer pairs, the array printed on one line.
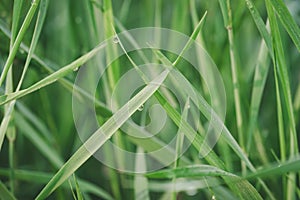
[[47, 146]]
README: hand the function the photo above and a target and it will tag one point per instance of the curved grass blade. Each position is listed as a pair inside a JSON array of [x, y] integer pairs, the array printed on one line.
[[103, 134]]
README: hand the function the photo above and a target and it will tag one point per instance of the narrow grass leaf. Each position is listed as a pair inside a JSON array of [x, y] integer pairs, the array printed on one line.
[[189, 171], [37, 30], [276, 169], [280, 64], [140, 182], [19, 39], [260, 25], [33, 136], [287, 20], [260, 77]]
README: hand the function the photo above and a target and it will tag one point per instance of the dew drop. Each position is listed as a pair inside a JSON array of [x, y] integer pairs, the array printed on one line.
[[116, 40], [213, 197], [141, 108], [76, 69], [191, 192]]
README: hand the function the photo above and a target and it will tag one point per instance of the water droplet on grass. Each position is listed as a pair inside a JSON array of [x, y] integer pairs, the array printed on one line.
[[76, 69], [116, 40], [141, 108]]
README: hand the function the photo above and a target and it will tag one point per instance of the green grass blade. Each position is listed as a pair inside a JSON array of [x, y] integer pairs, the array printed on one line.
[[260, 25], [140, 182], [102, 135], [288, 21], [19, 39], [36, 34], [5, 194], [53, 77], [277, 169], [189, 171], [235, 81], [280, 64], [37, 30], [33, 136], [191, 39], [260, 77]]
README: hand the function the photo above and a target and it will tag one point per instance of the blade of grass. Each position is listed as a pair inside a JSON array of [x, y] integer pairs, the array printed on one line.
[[37, 31], [5, 123], [195, 138], [179, 143], [53, 77], [260, 77], [280, 65], [288, 21], [188, 171], [102, 135], [43, 178], [235, 82], [19, 39], [260, 25], [33, 136], [140, 182], [282, 168], [50, 66], [5, 194]]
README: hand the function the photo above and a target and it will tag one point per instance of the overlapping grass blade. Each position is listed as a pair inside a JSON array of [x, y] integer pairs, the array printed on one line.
[[53, 77], [37, 31], [19, 39], [279, 62], [287, 20], [103, 134], [260, 25], [45, 148], [189, 132]]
